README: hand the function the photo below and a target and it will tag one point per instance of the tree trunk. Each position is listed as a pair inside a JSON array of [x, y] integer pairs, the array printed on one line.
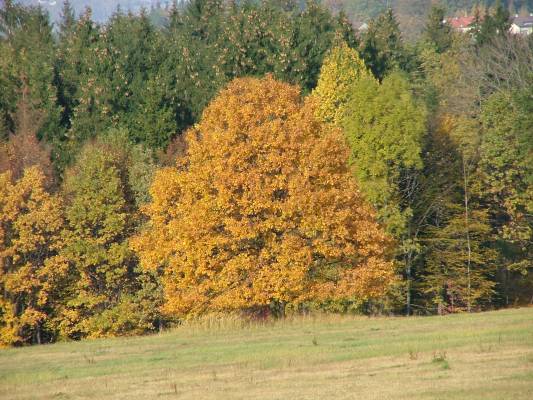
[[467, 229], [408, 274], [38, 334]]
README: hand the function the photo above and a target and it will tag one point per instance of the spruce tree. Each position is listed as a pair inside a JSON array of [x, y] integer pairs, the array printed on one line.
[[28, 49], [382, 45], [437, 32], [494, 25], [68, 21]]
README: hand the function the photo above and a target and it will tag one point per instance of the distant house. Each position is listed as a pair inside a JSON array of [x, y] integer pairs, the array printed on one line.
[[522, 25], [461, 24], [519, 25]]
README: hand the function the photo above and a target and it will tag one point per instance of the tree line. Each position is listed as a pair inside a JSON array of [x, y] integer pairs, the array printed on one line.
[[259, 158]]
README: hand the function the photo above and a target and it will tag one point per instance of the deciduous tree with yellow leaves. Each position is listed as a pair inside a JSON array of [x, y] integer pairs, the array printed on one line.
[[341, 71], [31, 272], [262, 211]]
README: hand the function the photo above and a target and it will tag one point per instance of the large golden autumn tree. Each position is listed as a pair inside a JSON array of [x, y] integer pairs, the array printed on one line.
[[262, 211]]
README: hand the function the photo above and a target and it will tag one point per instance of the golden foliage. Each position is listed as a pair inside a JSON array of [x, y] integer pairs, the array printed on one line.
[[340, 72], [30, 270], [262, 210]]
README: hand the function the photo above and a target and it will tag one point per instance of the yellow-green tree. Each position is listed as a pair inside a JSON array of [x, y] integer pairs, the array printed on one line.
[[459, 270], [108, 295], [341, 71], [263, 210], [31, 272], [385, 128]]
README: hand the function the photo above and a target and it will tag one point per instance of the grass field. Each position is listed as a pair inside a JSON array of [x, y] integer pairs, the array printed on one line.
[[478, 356]]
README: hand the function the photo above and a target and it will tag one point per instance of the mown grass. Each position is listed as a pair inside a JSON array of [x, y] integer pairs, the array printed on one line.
[[477, 356]]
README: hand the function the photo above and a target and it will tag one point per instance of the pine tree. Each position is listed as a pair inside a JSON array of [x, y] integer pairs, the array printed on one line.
[[493, 25], [78, 66], [346, 31], [382, 45], [437, 32], [29, 49], [68, 21], [501, 18], [314, 33]]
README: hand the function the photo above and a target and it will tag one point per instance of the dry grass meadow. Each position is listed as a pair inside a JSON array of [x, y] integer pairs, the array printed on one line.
[[477, 356]]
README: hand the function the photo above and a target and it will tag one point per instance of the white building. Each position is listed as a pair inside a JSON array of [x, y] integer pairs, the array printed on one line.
[[522, 25]]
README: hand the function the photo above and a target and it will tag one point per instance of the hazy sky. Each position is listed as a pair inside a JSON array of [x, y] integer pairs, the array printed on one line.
[[102, 9]]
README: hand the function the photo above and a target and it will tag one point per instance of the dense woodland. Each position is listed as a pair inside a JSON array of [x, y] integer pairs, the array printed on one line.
[[410, 14], [258, 158]]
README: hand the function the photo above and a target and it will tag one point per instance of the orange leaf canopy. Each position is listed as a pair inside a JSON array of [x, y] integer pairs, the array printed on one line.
[[262, 209]]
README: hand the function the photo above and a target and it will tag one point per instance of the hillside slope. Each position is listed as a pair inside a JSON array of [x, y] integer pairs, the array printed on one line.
[[478, 356]]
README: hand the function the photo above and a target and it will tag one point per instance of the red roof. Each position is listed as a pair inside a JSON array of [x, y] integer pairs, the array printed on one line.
[[460, 22]]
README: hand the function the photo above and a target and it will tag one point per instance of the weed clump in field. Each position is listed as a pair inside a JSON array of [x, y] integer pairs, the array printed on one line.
[[439, 357], [413, 354]]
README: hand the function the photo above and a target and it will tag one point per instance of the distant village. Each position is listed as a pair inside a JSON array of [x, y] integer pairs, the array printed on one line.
[[520, 25]]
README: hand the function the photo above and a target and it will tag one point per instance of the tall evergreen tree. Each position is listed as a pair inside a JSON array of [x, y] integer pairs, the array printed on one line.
[[8, 94], [437, 32], [382, 45], [76, 73], [314, 32], [68, 20], [495, 24], [28, 50]]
